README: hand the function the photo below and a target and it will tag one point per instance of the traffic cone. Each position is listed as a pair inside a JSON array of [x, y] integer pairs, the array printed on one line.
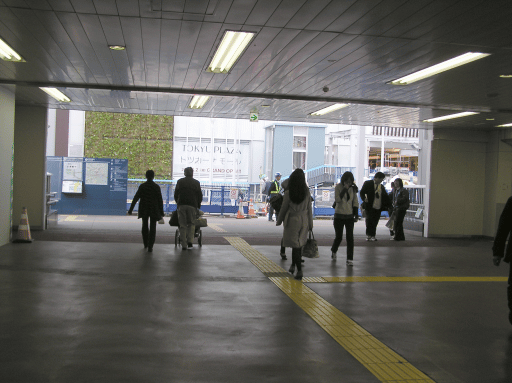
[[252, 213], [24, 229], [240, 214]]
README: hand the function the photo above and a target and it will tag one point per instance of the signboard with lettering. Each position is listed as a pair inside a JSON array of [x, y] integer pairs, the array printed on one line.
[[212, 161]]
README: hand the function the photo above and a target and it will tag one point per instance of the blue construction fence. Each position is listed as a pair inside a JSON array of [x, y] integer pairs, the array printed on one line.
[[217, 198]]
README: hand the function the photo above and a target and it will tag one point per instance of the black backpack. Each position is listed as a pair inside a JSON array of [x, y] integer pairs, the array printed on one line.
[[276, 201]]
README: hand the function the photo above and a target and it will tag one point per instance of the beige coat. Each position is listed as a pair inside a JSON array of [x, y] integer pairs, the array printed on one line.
[[297, 219]]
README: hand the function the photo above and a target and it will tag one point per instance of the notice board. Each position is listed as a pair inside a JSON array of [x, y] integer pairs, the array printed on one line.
[[90, 186]]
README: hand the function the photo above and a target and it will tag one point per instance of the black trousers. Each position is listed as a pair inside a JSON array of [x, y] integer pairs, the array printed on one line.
[[148, 233], [297, 257], [339, 225], [399, 224], [372, 220]]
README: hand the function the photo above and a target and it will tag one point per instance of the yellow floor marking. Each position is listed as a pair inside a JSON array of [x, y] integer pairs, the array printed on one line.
[[216, 227], [380, 360], [73, 218], [410, 279]]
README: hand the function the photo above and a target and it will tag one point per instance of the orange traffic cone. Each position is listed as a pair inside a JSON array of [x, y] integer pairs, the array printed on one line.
[[24, 229], [252, 213], [240, 214]]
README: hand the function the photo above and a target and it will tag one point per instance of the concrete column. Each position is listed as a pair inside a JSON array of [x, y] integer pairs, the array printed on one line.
[[29, 189], [6, 151], [62, 133]]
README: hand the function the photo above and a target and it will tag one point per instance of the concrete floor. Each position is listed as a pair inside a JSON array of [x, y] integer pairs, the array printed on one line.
[[106, 311]]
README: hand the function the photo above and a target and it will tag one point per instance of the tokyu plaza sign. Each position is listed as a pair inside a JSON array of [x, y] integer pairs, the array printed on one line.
[[211, 160]]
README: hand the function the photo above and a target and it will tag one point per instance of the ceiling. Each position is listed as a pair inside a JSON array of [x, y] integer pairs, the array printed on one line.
[[353, 47]]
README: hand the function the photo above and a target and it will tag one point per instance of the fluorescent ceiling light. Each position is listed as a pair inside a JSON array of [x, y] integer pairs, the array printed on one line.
[[506, 76], [329, 109], [9, 54], [450, 116], [56, 94], [504, 125], [117, 47], [230, 49], [438, 68], [198, 102]]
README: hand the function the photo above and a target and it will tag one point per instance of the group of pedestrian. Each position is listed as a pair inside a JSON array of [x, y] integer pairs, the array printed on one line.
[[188, 197]]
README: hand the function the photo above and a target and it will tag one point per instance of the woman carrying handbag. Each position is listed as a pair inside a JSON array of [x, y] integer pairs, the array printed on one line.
[[345, 214], [297, 216]]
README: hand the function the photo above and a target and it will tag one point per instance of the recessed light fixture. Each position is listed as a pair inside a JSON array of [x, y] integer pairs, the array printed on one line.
[[198, 102], [506, 76], [265, 106], [9, 54], [117, 47], [329, 109], [56, 94], [489, 119], [231, 47], [504, 125], [450, 116], [438, 68]]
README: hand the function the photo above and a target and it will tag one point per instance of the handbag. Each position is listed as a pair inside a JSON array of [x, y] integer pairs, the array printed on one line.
[[310, 249], [201, 222], [174, 219]]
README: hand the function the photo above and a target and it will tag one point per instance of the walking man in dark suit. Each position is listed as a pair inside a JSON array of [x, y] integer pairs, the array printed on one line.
[[151, 208], [188, 197], [502, 250], [375, 199]]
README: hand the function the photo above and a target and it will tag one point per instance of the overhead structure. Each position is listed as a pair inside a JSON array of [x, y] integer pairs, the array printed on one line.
[[288, 59]]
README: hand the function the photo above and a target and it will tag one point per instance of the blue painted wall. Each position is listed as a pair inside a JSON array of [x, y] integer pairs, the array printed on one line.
[[283, 156], [107, 199], [315, 147]]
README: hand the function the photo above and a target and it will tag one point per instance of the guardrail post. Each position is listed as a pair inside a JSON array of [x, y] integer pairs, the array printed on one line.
[[314, 203], [222, 200]]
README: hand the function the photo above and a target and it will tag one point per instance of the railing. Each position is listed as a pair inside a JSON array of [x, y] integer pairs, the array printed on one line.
[[324, 198], [217, 198], [326, 174]]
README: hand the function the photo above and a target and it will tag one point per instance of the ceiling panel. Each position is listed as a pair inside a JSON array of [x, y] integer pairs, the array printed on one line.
[[353, 47]]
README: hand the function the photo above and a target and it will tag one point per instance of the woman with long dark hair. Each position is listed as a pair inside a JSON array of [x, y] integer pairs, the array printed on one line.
[[345, 214], [297, 216], [400, 206]]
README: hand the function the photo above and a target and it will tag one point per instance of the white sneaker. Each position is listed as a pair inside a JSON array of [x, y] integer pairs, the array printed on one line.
[[350, 263], [373, 239], [368, 238], [333, 256]]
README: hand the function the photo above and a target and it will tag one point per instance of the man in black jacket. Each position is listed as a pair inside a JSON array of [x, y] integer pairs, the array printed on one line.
[[498, 249], [151, 208], [375, 199], [188, 197]]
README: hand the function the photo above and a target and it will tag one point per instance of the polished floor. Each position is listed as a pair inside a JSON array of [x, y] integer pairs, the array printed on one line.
[[85, 303]]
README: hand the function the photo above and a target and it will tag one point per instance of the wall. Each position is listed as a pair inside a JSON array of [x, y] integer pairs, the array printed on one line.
[[458, 182], [283, 156], [30, 165], [316, 140], [6, 151]]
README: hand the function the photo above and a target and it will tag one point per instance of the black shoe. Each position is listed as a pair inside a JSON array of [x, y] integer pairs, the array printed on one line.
[[189, 245], [299, 275], [291, 269], [150, 249], [283, 256], [183, 247]]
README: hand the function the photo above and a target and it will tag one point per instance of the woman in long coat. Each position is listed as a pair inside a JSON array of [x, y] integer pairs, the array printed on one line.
[[297, 216]]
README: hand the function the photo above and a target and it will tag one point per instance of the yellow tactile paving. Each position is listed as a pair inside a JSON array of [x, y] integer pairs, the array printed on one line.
[[73, 218], [411, 279], [216, 227], [380, 360]]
